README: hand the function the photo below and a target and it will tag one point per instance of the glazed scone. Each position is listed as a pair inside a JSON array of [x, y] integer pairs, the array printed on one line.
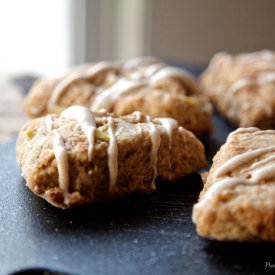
[[79, 158], [242, 87], [237, 201], [145, 84]]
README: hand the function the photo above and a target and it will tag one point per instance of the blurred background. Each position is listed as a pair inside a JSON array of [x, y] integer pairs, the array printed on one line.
[[46, 37]]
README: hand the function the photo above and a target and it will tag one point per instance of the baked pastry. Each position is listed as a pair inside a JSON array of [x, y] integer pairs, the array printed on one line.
[[79, 158], [237, 201], [145, 84], [242, 87]]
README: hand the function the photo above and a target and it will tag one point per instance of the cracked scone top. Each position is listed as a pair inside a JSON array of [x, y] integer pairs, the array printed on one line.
[[242, 87], [145, 84], [78, 158], [237, 201]]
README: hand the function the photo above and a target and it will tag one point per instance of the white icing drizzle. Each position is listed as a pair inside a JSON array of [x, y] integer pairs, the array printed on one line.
[[148, 119], [220, 58], [266, 107], [138, 115], [74, 76], [260, 170], [169, 124], [112, 154], [259, 57], [267, 54], [103, 111], [255, 61], [224, 184], [265, 131], [61, 157], [140, 61], [246, 82], [86, 121], [60, 87], [49, 123], [265, 78], [263, 173], [242, 130], [181, 130], [261, 79], [246, 171], [139, 128], [241, 83], [155, 140], [136, 75], [108, 97], [252, 130], [238, 160], [156, 71], [263, 65], [152, 69], [184, 76]]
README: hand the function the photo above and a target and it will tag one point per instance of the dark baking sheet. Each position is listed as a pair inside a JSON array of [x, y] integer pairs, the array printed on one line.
[[150, 234]]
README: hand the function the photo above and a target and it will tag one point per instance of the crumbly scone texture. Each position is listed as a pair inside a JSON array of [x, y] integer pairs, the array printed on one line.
[[178, 154], [237, 201], [164, 94], [242, 87]]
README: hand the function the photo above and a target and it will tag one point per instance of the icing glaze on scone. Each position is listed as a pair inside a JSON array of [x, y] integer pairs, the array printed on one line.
[[77, 158], [169, 124], [145, 84], [227, 183], [152, 69], [87, 122], [239, 160], [49, 123], [112, 153], [242, 87], [177, 73], [254, 83], [108, 97], [140, 61], [155, 139], [250, 175], [155, 71], [237, 201], [74, 76], [61, 156], [262, 60], [88, 125]]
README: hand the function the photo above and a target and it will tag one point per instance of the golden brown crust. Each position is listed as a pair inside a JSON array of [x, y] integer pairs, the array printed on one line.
[[163, 97], [237, 201], [242, 87], [89, 180]]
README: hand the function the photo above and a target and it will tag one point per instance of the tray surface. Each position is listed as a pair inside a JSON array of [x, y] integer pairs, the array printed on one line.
[[149, 234]]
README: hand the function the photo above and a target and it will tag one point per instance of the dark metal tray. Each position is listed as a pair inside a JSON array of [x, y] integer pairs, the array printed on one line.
[[149, 234]]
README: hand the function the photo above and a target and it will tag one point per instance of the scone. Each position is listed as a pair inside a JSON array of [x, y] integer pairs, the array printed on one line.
[[242, 87], [145, 84], [237, 201], [78, 158]]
